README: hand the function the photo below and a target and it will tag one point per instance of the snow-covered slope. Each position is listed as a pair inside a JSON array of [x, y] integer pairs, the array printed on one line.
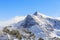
[[39, 24], [44, 23]]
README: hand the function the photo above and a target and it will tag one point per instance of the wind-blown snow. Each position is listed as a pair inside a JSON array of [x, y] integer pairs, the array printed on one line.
[[11, 21]]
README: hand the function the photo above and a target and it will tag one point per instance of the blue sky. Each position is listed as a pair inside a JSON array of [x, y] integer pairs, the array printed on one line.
[[12, 8]]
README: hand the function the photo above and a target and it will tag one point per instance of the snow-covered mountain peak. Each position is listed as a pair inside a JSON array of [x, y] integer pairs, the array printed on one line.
[[38, 23], [29, 21], [36, 13], [28, 16], [40, 14]]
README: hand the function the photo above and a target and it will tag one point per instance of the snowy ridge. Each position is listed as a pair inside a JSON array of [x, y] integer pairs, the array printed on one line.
[[42, 22]]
